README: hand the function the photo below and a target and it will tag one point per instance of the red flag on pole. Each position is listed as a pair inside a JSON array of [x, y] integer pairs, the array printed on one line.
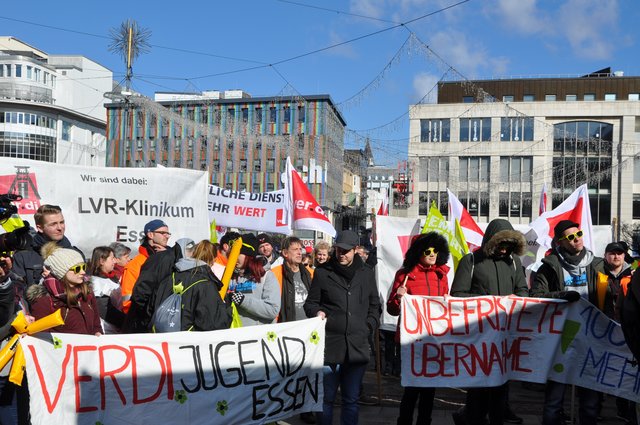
[[543, 200], [472, 232]]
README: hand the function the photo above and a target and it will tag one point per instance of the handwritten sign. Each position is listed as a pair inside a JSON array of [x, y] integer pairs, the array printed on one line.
[[246, 375], [486, 341]]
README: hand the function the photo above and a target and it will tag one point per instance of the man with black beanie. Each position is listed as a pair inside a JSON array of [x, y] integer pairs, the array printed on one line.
[[570, 272], [343, 292]]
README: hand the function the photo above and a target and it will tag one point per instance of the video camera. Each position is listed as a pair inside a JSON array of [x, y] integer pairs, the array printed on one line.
[[19, 238]]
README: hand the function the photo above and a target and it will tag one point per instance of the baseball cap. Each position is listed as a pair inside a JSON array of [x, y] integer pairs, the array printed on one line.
[[347, 240], [615, 247], [154, 225]]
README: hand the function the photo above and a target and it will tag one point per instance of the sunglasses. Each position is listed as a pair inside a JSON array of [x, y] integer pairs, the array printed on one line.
[[571, 237], [82, 267], [429, 251], [163, 233]]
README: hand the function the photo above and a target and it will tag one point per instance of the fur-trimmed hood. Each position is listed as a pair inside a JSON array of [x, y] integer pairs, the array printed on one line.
[[501, 231], [424, 241], [35, 292]]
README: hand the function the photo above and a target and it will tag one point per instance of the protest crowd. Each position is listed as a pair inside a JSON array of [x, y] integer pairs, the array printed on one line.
[[117, 291]]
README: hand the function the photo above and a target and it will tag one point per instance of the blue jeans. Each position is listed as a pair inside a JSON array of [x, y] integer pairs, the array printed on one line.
[[349, 378], [554, 399]]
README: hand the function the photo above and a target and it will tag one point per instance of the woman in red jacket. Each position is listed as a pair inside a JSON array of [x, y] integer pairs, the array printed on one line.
[[423, 272], [66, 288]]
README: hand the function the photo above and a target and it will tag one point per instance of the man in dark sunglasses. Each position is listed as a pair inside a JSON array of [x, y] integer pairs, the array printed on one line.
[[570, 272]]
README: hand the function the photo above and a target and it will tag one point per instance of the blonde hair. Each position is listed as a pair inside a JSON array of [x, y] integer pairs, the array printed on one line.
[[205, 251]]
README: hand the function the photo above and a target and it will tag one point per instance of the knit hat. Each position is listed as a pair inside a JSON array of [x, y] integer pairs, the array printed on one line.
[[186, 246], [154, 225], [264, 238], [60, 260], [562, 226], [249, 245]]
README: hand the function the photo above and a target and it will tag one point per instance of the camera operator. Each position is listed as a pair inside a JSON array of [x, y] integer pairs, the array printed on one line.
[[50, 225], [11, 302]]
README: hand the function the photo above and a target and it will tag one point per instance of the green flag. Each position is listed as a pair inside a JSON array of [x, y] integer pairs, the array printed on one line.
[[436, 223]]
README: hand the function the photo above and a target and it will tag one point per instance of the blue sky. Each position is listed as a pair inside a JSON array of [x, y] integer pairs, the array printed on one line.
[[380, 69]]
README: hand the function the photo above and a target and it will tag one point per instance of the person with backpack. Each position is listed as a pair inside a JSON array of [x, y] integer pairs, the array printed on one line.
[[195, 290], [254, 290]]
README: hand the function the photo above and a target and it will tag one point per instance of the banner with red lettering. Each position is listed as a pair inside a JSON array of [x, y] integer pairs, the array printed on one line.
[[262, 211], [247, 375], [486, 341]]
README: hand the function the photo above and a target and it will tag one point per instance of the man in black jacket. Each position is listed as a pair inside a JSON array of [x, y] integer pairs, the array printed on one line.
[[343, 292], [570, 272], [50, 226]]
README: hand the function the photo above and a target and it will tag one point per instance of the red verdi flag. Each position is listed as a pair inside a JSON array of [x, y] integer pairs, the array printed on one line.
[[307, 213]]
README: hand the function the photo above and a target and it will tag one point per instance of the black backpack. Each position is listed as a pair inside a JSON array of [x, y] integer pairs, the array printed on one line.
[[630, 315], [168, 315]]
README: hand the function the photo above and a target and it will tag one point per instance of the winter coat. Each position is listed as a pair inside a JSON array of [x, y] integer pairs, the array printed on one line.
[[109, 301], [153, 271], [485, 273], [630, 315], [549, 280], [261, 303], [28, 263], [352, 308], [421, 280], [202, 307], [284, 275], [83, 318]]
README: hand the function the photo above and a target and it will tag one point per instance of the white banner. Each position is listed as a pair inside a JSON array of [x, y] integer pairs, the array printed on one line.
[[393, 237], [102, 205], [248, 375], [247, 210], [486, 341]]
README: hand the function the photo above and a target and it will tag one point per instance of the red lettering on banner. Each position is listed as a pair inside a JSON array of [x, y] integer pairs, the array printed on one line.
[[522, 312], [167, 360], [63, 374], [112, 373], [134, 374], [77, 379], [492, 310], [249, 212]]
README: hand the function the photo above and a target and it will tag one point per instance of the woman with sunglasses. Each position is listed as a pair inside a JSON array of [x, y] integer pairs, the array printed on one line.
[[66, 288], [423, 272], [106, 289], [254, 290]]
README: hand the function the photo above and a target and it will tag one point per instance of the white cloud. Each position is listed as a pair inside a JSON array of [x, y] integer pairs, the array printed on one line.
[[588, 24], [346, 50], [465, 56], [522, 16], [370, 8], [423, 85]]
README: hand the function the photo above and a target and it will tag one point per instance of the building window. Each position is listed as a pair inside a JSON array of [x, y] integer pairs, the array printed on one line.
[[245, 115], [589, 97], [270, 187], [467, 99], [549, 97], [66, 130], [272, 114], [507, 98], [609, 97], [271, 165], [287, 114], [516, 129], [256, 165], [301, 114], [435, 130], [243, 165], [636, 206], [477, 203], [571, 97], [475, 129], [636, 170], [259, 115], [439, 197], [514, 204], [255, 188], [515, 169], [634, 96], [19, 71], [529, 98], [434, 169], [474, 168]]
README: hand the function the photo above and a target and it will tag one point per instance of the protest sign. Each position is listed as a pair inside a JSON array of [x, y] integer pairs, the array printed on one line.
[[102, 205], [237, 376], [486, 341], [248, 210]]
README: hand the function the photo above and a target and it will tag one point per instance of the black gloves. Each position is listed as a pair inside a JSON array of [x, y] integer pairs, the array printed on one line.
[[570, 296], [237, 297]]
